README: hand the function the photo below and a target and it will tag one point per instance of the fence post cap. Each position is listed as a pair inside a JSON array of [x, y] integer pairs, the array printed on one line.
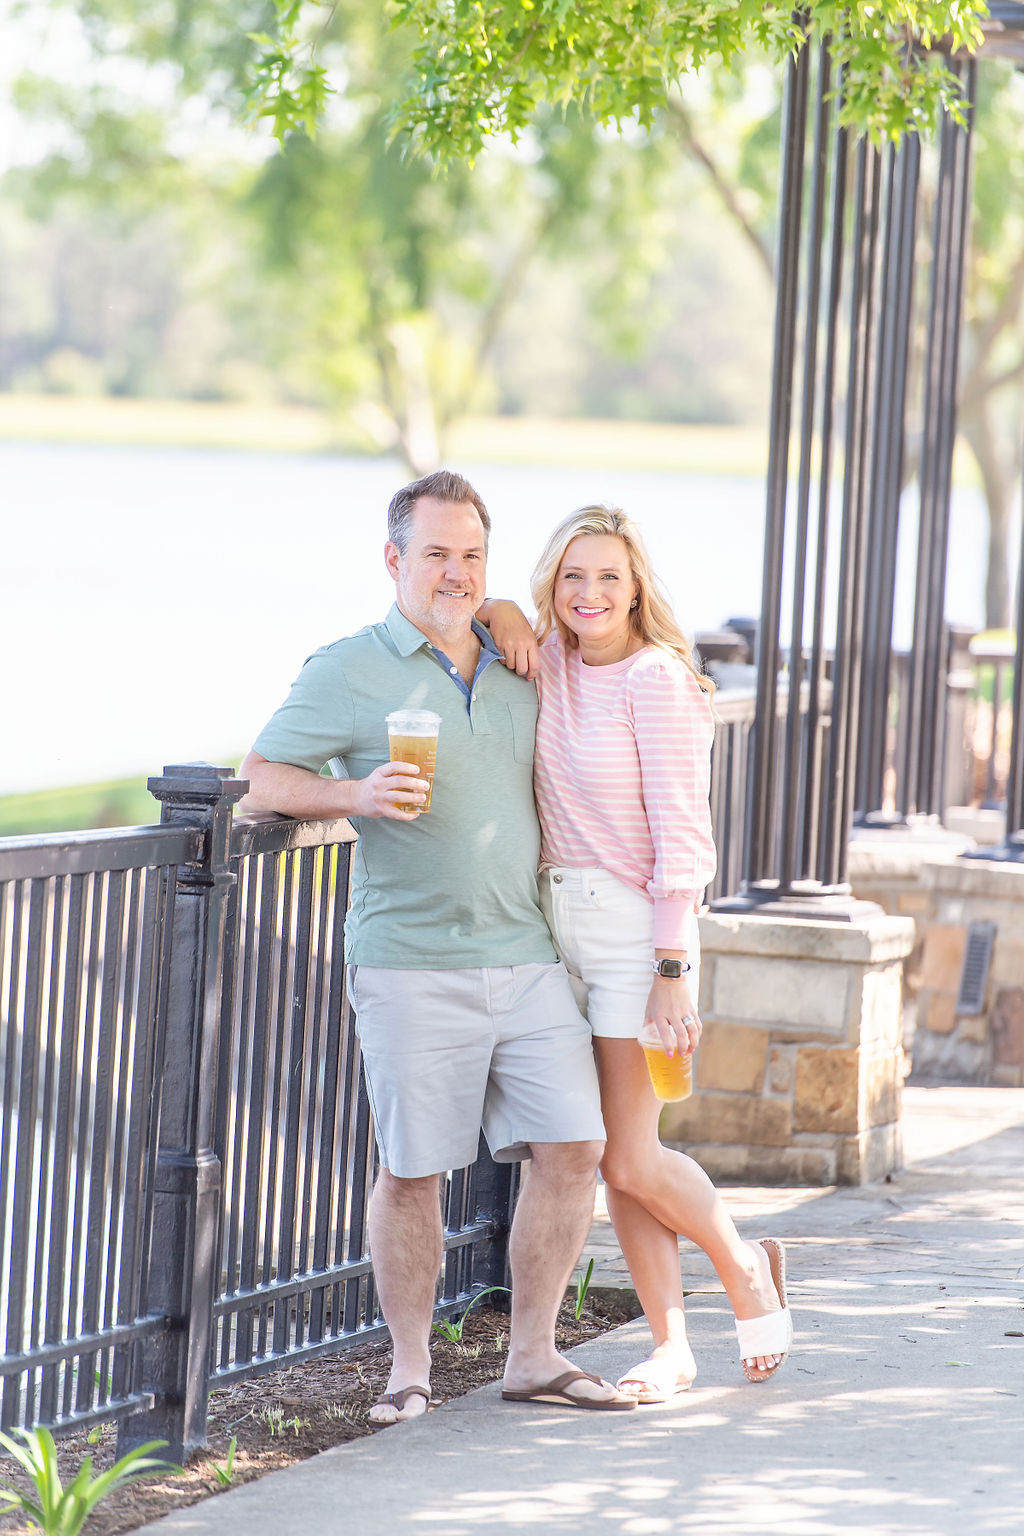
[[191, 782]]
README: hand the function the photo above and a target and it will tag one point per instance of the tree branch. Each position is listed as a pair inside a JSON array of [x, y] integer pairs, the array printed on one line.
[[682, 123]]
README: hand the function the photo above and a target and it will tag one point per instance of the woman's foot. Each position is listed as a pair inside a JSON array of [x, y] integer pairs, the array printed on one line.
[[765, 1336], [671, 1368]]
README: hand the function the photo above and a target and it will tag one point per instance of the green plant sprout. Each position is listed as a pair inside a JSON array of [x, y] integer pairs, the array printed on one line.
[[225, 1473], [60, 1511], [452, 1329], [582, 1287]]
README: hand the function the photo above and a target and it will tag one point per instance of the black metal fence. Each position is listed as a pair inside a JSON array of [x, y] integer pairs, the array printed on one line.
[[186, 1150]]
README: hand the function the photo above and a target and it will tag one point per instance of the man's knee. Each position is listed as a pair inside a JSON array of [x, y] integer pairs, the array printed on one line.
[[412, 1194], [569, 1160]]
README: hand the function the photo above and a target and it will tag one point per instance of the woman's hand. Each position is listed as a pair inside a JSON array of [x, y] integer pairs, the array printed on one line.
[[392, 791], [672, 1011], [512, 634]]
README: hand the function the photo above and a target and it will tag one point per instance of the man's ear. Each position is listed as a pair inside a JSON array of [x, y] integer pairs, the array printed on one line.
[[391, 559]]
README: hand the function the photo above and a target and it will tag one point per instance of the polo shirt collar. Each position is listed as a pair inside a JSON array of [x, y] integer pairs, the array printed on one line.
[[407, 638], [403, 631]]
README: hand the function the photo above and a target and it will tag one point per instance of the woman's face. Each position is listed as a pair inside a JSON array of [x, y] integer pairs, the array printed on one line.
[[594, 588]]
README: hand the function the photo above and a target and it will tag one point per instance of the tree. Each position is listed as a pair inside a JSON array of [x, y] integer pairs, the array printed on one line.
[[366, 281], [993, 345], [483, 68]]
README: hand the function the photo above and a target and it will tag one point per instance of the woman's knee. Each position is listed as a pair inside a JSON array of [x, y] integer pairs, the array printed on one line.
[[624, 1170]]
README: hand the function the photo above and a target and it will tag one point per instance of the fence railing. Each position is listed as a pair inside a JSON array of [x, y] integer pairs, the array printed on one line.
[[186, 1151], [973, 752], [988, 723]]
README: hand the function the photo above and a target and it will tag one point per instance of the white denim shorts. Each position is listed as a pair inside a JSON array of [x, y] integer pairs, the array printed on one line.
[[604, 932], [503, 1048]]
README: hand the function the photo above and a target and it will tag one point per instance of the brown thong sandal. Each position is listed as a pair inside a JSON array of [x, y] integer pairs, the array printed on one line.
[[398, 1400], [554, 1392]]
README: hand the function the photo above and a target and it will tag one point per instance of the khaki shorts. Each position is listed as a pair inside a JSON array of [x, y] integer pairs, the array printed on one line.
[[503, 1047]]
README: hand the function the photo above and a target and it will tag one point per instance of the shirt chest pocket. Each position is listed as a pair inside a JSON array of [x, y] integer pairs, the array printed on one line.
[[524, 736]]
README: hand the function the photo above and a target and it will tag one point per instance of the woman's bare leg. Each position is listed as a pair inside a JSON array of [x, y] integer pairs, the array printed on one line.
[[655, 1193]]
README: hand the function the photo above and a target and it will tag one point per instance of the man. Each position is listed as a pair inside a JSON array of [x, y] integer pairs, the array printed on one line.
[[464, 1015]]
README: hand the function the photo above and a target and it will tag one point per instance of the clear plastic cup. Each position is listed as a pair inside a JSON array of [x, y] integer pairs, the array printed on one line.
[[412, 738], [671, 1076]]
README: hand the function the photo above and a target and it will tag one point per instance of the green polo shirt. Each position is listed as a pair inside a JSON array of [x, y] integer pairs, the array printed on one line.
[[455, 888]]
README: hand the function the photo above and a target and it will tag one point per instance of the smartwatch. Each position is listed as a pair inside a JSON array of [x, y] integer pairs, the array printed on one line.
[[671, 968]]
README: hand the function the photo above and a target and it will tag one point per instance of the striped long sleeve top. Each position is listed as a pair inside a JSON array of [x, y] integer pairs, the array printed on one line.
[[622, 776]]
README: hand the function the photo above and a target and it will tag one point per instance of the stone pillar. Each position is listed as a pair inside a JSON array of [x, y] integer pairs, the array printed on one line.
[[801, 1068], [885, 867], [954, 1039]]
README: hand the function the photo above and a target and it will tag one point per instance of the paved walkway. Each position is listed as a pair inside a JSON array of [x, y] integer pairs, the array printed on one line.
[[899, 1413]]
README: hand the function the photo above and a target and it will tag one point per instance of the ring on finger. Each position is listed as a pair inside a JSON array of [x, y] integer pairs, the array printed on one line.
[[689, 1019]]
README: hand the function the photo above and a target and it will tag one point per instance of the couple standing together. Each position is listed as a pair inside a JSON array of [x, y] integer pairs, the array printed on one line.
[[466, 1016]]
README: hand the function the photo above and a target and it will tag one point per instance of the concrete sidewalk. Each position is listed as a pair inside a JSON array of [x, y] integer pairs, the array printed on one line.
[[899, 1413]]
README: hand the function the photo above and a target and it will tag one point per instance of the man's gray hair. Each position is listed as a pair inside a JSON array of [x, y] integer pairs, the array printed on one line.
[[442, 485]]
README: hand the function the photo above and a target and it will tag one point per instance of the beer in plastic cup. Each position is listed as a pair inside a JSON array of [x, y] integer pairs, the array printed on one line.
[[412, 738], [671, 1076]]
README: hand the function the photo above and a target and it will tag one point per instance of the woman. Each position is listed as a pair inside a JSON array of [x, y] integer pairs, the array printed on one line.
[[622, 777]]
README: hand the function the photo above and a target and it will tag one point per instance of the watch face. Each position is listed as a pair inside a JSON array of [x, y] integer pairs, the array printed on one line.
[[671, 968]]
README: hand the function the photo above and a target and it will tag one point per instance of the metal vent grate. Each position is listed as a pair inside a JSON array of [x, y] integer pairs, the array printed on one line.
[[977, 956]]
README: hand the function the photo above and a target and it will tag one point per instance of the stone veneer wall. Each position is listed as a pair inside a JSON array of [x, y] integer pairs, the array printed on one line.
[[801, 1067], [988, 1046], [886, 867], [929, 880]]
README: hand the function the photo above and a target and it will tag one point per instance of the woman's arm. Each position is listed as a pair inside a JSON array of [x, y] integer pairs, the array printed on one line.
[[674, 730], [512, 633]]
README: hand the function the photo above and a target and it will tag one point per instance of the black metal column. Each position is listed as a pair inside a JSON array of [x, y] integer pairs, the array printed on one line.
[[181, 1280], [897, 286], [760, 847], [920, 789]]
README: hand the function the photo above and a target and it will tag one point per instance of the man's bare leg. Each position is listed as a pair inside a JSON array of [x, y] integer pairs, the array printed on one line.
[[553, 1217], [406, 1243]]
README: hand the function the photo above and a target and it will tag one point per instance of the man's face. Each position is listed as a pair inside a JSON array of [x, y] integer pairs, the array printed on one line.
[[441, 578]]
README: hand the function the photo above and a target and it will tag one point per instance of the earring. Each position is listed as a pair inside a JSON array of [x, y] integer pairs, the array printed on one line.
[[635, 603]]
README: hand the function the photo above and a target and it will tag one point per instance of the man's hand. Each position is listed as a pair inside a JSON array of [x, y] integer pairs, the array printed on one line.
[[392, 791], [512, 634], [299, 792]]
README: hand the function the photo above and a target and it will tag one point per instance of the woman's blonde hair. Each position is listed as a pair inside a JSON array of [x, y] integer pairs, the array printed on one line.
[[652, 620]]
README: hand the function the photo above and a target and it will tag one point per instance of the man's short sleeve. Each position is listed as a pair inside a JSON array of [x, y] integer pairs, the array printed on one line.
[[315, 722]]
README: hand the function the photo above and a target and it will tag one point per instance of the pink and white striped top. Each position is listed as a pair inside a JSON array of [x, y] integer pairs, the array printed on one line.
[[622, 776]]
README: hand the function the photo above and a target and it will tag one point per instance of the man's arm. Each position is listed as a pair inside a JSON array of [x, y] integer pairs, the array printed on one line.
[[301, 793]]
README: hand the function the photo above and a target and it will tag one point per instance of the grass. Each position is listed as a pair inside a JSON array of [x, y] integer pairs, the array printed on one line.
[[116, 803], [304, 429]]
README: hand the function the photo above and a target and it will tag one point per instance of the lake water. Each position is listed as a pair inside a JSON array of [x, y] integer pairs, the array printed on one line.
[[155, 603]]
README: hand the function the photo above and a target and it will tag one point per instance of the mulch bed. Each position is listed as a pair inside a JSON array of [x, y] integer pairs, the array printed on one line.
[[282, 1418]]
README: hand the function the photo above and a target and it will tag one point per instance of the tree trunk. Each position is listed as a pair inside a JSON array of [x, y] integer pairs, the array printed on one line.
[[999, 483]]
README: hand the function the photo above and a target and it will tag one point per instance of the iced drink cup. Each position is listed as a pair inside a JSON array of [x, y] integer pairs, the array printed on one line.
[[671, 1076], [412, 738]]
